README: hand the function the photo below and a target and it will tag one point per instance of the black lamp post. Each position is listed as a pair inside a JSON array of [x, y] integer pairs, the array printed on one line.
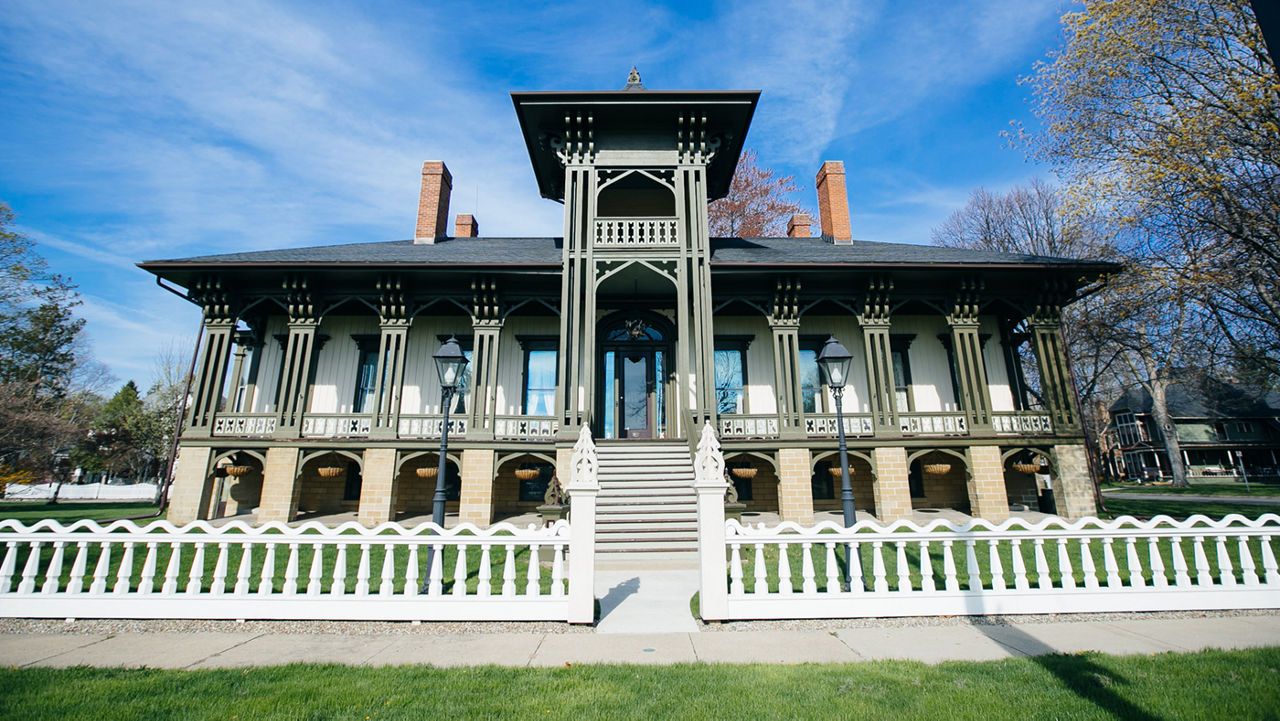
[[834, 361], [450, 364]]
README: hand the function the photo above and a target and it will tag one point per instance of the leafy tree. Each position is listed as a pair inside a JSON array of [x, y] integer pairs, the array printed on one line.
[[1164, 116], [757, 205], [41, 414], [112, 443]]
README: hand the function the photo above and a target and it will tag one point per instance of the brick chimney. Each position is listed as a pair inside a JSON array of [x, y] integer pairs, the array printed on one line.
[[798, 226], [833, 203], [433, 203], [466, 226]]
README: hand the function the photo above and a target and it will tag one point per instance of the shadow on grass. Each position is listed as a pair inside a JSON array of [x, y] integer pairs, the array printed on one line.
[[1079, 673]]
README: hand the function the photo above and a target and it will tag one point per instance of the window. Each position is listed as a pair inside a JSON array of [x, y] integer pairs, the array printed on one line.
[[731, 374], [901, 359], [463, 393], [811, 394], [351, 489], [540, 374], [366, 373]]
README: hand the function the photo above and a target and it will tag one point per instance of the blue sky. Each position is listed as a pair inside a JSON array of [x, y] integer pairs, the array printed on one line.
[[133, 131]]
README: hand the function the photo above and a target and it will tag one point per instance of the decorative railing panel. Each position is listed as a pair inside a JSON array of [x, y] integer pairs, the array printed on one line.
[[942, 568], [735, 426], [636, 232], [244, 424], [238, 571], [1026, 424], [825, 425], [934, 424], [527, 428], [336, 426], [429, 426]]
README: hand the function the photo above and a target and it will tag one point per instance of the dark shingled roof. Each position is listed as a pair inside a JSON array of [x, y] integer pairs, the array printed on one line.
[[547, 251], [1205, 398]]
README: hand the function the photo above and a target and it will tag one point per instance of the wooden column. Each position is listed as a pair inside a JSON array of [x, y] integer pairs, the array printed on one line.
[[784, 324], [487, 320], [1055, 373], [577, 291], [971, 372], [300, 348], [219, 328], [393, 312], [875, 323]]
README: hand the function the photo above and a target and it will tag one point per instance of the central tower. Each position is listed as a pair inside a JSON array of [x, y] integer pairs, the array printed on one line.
[[635, 170]]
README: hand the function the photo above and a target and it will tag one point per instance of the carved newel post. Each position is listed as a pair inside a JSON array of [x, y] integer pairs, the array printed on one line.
[[584, 486], [710, 485]]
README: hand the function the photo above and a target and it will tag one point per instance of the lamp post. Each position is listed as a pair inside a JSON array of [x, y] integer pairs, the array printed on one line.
[[450, 364], [834, 361]]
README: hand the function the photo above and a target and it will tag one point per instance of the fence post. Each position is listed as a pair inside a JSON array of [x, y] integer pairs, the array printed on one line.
[[710, 485], [583, 487]]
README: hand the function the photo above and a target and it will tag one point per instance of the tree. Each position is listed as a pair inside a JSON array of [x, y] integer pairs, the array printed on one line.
[[41, 414], [757, 204], [1164, 116], [112, 443]]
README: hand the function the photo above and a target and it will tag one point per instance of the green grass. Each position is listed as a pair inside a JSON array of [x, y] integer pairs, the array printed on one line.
[[1259, 490], [1211, 684], [68, 512], [1181, 509]]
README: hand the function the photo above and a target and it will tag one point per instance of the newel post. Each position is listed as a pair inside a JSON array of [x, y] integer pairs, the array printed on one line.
[[710, 485], [583, 487]]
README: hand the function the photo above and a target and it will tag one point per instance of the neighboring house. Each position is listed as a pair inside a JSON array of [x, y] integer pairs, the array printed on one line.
[[316, 382], [1223, 429]]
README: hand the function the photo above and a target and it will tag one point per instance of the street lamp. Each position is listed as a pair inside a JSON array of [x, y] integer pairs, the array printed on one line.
[[834, 361], [450, 364]]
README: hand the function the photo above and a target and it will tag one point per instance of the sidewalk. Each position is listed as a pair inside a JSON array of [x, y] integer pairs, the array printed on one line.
[[931, 644]]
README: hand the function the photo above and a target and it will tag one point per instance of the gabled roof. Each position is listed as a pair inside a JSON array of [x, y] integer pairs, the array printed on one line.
[[536, 252], [1205, 398]]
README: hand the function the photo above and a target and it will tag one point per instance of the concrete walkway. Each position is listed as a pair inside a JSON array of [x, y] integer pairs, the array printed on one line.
[[1242, 500], [930, 644], [646, 601]]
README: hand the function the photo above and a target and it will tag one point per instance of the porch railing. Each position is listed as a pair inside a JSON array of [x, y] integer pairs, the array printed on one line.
[[825, 425], [744, 426], [933, 424], [429, 426], [244, 424], [1053, 566], [323, 425], [1022, 423], [636, 231], [526, 428]]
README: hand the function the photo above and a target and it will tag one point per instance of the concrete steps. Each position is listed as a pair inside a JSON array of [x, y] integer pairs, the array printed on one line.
[[647, 507]]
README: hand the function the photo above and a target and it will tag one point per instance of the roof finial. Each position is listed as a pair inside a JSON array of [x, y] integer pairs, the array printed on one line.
[[633, 80]]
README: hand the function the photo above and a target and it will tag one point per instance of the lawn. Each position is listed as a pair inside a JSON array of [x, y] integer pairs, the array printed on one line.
[[68, 511], [1210, 684], [1260, 490], [1180, 509]]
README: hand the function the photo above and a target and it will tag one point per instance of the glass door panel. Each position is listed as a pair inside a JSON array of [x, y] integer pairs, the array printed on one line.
[[635, 395]]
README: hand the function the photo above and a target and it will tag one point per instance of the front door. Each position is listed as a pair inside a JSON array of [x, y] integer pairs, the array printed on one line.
[[632, 385]]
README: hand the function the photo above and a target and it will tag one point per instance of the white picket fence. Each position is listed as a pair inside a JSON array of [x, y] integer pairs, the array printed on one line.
[[1016, 567], [238, 571]]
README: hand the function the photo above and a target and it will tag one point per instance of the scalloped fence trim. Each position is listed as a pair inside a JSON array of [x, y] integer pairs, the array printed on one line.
[[980, 568], [275, 571]]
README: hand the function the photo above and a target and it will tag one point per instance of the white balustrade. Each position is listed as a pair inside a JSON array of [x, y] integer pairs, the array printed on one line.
[[336, 426], [1015, 567], [934, 424], [1023, 424], [630, 232], [429, 426], [244, 424], [230, 571], [825, 425], [739, 426], [526, 428]]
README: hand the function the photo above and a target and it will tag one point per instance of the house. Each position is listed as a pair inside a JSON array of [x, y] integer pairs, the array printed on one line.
[[315, 389], [1223, 430]]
